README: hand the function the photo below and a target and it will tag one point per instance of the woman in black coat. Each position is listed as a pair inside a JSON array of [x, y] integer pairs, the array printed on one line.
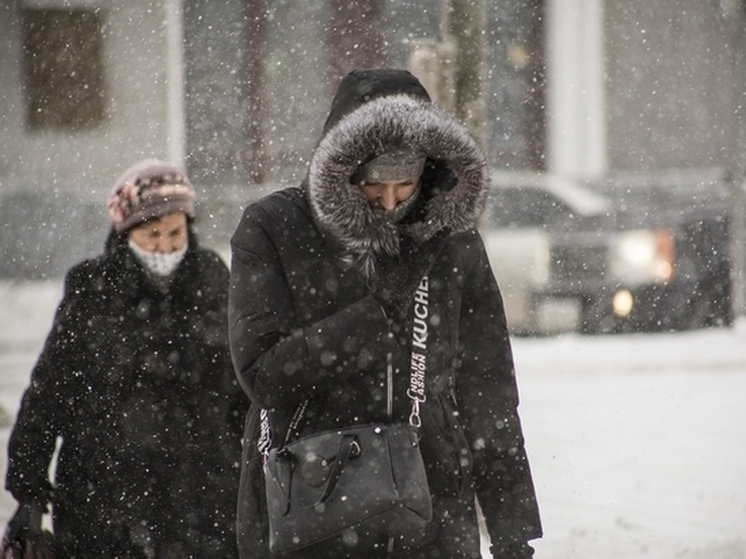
[[322, 321], [135, 381]]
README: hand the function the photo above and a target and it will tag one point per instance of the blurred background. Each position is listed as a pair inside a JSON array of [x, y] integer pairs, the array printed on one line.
[[616, 126]]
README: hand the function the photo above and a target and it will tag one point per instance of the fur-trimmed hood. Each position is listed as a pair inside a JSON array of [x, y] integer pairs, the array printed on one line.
[[455, 181]]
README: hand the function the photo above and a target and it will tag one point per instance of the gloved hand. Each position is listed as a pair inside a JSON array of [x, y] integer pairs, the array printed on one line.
[[23, 536], [20, 523], [399, 277]]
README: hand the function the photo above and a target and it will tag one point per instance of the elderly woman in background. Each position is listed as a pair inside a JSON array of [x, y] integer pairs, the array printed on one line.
[[135, 381]]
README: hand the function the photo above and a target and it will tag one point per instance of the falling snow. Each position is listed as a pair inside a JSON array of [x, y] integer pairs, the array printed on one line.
[[636, 441]]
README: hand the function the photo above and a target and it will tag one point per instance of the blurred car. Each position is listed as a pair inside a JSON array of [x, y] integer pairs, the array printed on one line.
[[631, 253]]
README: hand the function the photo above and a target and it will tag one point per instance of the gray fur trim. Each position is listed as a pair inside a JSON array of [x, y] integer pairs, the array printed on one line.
[[393, 122]]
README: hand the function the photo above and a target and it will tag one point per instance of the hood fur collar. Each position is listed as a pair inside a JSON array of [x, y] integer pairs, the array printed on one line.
[[394, 122]]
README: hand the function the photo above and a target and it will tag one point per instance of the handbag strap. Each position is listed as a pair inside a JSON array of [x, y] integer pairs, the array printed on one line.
[[349, 447], [344, 454], [418, 362]]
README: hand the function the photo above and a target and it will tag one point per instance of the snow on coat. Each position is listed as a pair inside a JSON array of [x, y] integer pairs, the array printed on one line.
[[305, 325], [138, 386]]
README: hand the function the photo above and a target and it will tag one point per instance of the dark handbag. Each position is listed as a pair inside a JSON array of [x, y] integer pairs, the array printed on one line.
[[366, 479], [24, 537]]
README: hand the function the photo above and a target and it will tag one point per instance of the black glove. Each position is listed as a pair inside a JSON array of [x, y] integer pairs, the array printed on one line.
[[399, 277], [20, 524], [23, 536]]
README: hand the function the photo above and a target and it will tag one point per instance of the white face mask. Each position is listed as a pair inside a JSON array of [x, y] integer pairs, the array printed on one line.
[[161, 264]]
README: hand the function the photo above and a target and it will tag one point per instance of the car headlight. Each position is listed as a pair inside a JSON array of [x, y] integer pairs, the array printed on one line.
[[644, 256], [623, 302]]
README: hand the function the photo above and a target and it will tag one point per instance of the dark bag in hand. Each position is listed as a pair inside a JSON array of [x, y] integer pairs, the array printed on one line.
[[368, 479], [24, 537]]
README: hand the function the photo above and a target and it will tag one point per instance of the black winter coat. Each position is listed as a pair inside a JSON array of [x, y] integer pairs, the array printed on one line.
[[137, 385], [305, 325]]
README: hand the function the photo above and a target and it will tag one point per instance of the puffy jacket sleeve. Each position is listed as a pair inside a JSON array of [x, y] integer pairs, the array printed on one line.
[[50, 398], [278, 359], [487, 397]]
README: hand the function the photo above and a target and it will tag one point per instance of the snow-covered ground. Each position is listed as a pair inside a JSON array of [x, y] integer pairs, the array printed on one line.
[[637, 443]]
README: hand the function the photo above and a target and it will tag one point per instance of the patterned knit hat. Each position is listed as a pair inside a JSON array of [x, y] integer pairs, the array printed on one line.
[[149, 190]]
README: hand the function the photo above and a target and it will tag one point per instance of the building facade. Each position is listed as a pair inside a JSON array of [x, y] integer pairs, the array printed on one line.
[[581, 88]]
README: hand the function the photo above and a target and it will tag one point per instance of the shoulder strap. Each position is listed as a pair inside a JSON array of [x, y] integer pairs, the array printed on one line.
[[418, 362]]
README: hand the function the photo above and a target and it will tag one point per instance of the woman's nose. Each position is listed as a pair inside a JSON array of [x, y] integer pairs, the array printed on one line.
[[387, 200], [164, 244]]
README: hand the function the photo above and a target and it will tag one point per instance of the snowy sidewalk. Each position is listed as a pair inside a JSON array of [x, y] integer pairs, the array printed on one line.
[[637, 443]]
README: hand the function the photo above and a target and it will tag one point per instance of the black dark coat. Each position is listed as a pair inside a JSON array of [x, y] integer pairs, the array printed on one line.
[[138, 386], [304, 323]]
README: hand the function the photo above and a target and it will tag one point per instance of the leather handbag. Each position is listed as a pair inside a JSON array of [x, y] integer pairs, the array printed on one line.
[[367, 479]]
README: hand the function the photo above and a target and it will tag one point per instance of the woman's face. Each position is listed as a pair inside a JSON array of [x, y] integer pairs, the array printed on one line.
[[166, 234], [388, 194]]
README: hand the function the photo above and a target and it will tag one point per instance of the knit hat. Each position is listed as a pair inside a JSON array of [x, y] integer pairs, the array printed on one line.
[[390, 166], [149, 190]]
